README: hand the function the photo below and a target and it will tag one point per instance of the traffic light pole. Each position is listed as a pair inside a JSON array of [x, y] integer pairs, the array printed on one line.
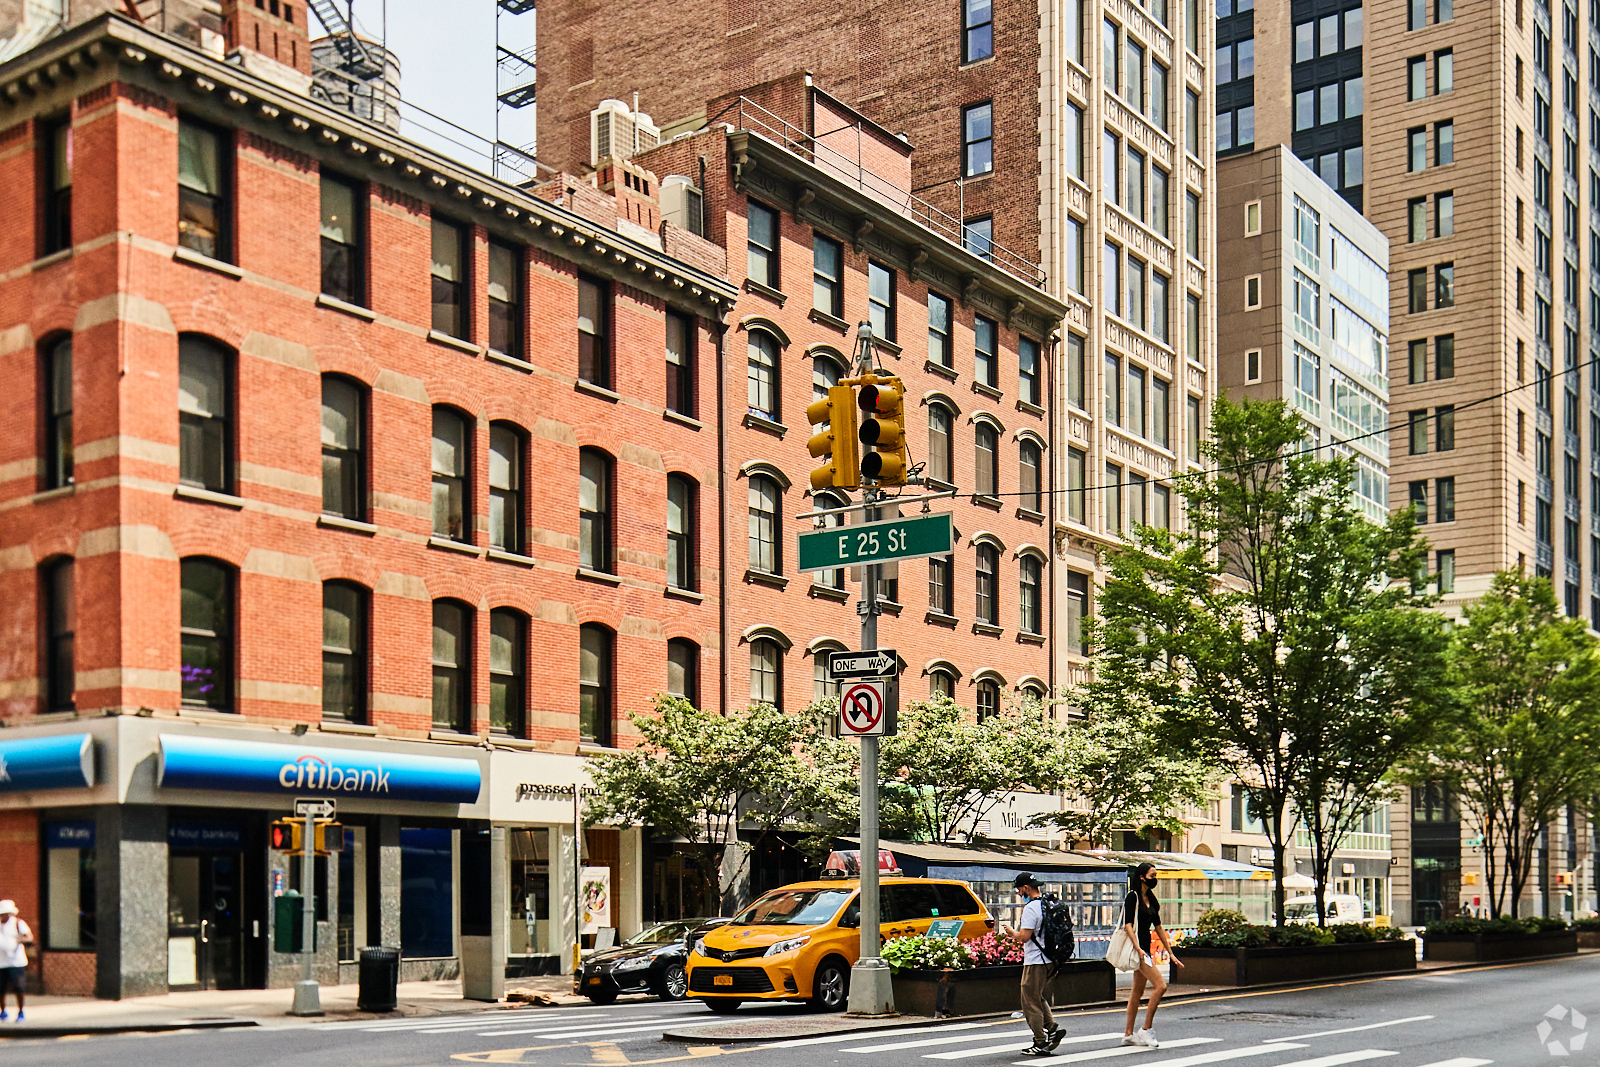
[[307, 994]]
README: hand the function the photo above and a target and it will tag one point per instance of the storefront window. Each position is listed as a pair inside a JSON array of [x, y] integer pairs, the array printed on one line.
[[353, 893], [427, 900], [71, 889], [528, 932]]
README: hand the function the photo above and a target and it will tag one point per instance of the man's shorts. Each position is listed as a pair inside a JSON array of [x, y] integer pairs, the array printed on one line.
[[13, 980]]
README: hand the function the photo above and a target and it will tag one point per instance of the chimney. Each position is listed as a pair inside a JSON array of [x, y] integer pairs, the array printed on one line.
[[271, 29]]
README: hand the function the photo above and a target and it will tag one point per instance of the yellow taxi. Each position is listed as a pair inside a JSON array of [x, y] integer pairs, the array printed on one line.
[[799, 942]]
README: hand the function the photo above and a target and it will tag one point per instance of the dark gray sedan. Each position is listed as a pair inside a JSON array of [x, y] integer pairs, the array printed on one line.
[[650, 961]]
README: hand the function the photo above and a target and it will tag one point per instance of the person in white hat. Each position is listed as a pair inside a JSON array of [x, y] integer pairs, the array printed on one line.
[[14, 939]]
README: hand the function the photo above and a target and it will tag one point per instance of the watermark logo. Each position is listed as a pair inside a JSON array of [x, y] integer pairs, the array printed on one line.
[[1574, 1032]]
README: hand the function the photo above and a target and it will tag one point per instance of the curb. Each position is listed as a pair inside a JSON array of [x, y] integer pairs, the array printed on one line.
[[26, 1031]]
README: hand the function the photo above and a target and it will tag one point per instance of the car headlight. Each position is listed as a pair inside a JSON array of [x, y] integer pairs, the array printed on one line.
[[778, 948], [633, 964], [699, 947]]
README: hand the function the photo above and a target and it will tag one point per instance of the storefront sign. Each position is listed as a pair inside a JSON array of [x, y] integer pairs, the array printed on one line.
[[184, 834], [532, 790], [189, 762], [79, 833], [595, 889], [65, 761]]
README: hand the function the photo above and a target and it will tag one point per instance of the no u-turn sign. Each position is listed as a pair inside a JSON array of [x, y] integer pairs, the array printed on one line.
[[869, 708]]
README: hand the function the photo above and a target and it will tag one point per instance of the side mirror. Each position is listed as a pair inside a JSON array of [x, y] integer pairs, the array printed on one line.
[[850, 920]]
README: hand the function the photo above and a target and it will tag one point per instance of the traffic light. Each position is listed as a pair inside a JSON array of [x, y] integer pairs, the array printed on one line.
[[286, 835], [883, 428], [836, 440], [329, 837]]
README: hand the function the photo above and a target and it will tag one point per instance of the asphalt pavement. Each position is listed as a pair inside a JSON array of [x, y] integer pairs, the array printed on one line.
[[1515, 1015]]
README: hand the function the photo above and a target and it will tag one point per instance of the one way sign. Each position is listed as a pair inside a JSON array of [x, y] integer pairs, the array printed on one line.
[[879, 663]]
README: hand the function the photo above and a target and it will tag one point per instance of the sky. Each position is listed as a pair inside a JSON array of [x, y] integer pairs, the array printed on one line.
[[446, 50]]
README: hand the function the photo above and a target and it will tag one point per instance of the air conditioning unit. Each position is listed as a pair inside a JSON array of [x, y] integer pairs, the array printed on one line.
[[617, 131], [683, 205]]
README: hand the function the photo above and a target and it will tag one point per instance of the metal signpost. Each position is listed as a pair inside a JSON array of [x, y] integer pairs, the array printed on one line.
[[307, 994]]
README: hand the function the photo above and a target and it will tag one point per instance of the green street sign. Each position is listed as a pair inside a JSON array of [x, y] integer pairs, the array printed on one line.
[[876, 542]]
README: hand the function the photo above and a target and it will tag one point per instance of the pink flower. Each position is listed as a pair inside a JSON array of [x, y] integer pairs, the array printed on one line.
[[992, 950]]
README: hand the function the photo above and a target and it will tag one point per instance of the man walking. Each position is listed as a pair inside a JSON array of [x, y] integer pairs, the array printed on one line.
[[14, 939], [1035, 969]]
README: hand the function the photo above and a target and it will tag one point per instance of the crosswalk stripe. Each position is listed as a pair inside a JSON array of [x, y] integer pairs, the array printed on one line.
[[1356, 1029], [1224, 1055], [939, 1040], [985, 1050], [1120, 1050], [603, 1031], [1342, 1057], [1460, 1061], [832, 1039], [1014, 1047]]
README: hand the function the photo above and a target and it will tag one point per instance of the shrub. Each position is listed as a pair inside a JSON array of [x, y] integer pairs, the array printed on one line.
[[1592, 923], [993, 950], [1545, 924], [1353, 933], [1390, 933], [1297, 935], [926, 954], [1221, 921], [1503, 925]]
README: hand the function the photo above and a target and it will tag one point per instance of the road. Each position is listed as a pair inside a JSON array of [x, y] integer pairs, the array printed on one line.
[[1467, 1018]]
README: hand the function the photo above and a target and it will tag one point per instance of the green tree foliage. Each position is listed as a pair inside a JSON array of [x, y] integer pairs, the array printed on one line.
[[1528, 679], [1275, 619]]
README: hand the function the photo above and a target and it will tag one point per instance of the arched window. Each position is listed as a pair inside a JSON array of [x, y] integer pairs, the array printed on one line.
[[58, 414], [594, 685], [452, 495], [988, 591], [680, 532], [1032, 693], [1030, 596], [206, 629], [941, 683], [1029, 465], [834, 577], [60, 622], [508, 671], [683, 669], [986, 460], [763, 376], [594, 510], [344, 652], [766, 672], [988, 698], [824, 376], [765, 551], [205, 436], [507, 511], [343, 470], [452, 665], [940, 443]]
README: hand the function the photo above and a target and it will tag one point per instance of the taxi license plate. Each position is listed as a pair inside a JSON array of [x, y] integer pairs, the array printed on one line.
[[594, 981], [722, 979]]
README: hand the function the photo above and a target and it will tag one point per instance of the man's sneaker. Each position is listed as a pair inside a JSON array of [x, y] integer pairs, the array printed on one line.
[[1147, 1038], [1036, 1050], [1056, 1036], [1131, 1039]]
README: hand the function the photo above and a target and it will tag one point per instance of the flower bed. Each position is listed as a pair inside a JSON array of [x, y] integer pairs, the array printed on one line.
[[942, 977], [1229, 950], [1489, 940]]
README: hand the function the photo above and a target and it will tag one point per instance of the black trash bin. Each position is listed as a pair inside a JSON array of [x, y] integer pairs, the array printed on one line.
[[379, 972]]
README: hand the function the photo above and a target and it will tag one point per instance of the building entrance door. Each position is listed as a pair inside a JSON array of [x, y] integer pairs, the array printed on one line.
[[204, 925]]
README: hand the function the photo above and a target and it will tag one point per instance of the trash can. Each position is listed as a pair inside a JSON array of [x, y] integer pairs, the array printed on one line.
[[379, 975]]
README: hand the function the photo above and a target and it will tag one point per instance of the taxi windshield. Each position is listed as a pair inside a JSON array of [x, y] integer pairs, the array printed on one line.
[[793, 907]]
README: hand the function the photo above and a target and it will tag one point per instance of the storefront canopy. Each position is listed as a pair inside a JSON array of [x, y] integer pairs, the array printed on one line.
[[994, 862], [1181, 864]]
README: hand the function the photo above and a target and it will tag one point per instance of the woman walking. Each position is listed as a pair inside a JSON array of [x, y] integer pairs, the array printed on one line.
[[1141, 916]]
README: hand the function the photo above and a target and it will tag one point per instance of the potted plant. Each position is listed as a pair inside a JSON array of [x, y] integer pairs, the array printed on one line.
[[1228, 949], [1471, 940], [941, 976]]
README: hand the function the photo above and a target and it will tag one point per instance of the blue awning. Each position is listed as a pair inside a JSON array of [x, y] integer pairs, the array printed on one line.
[[190, 762], [63, 761]]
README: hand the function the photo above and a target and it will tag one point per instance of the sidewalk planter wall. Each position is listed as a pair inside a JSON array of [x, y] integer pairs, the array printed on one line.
[[1485, 948], [1589, 938], [1266, 965], [991, 989]]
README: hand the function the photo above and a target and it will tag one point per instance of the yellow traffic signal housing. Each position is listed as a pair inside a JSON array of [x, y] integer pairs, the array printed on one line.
[[884, 430], [287, 835], [836, 440], [329, 837]]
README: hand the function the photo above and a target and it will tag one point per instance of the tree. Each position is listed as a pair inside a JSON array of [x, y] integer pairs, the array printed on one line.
[[944, 771], [703, 776], [1278, 610], [1524, 746]]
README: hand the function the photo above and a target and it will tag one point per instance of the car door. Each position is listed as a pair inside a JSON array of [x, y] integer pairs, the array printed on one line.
[[914, 907]]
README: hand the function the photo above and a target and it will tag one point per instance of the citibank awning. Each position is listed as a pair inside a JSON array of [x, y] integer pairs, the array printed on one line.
[[64, 761], [189, 762]]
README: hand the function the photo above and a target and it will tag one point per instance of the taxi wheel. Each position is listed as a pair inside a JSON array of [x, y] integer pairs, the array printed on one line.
[[722, 1005], [831, 986]]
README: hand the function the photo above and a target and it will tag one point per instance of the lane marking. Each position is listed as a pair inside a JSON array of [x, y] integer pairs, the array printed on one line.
[[1342, 1057], [926, 1042], [605, 1031], [1460, 1061], [870, 1034], [1121, 1050], [1082, 1039], [1353, 1029]]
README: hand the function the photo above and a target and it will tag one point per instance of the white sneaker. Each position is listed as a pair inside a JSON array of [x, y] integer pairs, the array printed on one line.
[[1147, 1038], [1131, 1039]]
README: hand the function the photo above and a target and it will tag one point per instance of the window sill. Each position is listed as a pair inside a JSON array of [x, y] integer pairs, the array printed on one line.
[[753, 286], [588, 574], [195, 259], [339, 522], [438, 338], [447, 545], [890, 607], [600, 391], [984, 500], [216, 715], [339, 726], [886, 344], [776, 581], [589, 748], [949, 374], [454, 735], [939, 618], [683, 420], [987, 629], [987, 390], [49, 261], [1030, 514], [55, 494], [822, 318], [685, 594], [508, 361], [1028, 637], [515, 558], [764, 424], [333, 303], [1031, 409], [828, 592], [207, 496], [522, 744]]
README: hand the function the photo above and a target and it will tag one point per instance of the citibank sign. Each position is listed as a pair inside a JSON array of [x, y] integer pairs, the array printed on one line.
[[189, 762]]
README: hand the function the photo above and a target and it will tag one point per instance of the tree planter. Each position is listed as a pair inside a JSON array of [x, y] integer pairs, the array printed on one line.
[[1588, 938], [1484, 948], [990, 989], [1270, 964]]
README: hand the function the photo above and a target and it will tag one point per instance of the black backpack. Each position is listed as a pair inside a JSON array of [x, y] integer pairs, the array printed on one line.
[[1056, 937]]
